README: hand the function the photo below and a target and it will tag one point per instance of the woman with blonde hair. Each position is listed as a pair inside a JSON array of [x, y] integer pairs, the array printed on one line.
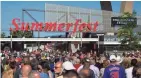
[[126, 63], [10, 72]]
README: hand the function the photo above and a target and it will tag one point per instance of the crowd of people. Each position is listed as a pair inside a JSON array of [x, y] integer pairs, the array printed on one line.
[[57, 64]]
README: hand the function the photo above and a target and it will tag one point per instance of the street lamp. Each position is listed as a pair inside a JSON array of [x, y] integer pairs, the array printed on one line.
[[11, 38], [81, 39], [98, 40]]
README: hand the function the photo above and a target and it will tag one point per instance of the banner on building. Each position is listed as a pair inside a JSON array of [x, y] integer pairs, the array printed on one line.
[[118, 21]]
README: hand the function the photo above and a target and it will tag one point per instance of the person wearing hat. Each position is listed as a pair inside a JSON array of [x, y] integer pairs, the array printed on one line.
[[68, 66], [71, 74], [114, 70], [119, 60], [69, 70]]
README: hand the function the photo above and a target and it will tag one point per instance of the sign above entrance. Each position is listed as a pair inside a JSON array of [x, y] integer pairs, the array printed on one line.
[[118, 21], [77, 26]]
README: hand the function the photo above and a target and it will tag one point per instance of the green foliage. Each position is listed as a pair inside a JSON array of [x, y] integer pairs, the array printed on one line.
[[20, 34], [129, 40], [3, 35], [139, 33]]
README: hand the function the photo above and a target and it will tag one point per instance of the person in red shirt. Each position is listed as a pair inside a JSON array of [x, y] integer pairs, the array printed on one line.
[[78, 64]]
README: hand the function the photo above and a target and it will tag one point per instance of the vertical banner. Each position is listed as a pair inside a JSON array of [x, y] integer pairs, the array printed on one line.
[[25, 46], [74, 47]]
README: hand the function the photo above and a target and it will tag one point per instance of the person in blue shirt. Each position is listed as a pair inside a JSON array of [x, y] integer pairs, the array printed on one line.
[[114, 70], [42, 67], [43, 75]]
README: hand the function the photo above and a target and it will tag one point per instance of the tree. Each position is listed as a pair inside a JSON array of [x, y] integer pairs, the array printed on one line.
[[128, 40], [20, 34], [139, 33], [3, 35], [28, 34]]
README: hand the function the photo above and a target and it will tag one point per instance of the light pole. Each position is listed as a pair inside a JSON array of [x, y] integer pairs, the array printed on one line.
[[99, 40], [81, 39], [11, 40]]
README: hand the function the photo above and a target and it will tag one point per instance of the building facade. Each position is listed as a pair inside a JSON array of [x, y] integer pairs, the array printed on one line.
[[104, 39]]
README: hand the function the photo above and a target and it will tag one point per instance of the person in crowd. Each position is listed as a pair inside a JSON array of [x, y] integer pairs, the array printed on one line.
[[2, 69], [71, 64], [45, 70], [86, 72], [138, 73], [98, 62], [26, 60], [26, 69], [77, 64], [69, 70], [105, 64], [119, 60], [67, 65], [114, 70], [9, 73], [6, 65], [130, 69], [50, 73], [126, 64], [34, 75], [58, 70], [4, 62], [42, 67], [71, 74], [137, 70], [92, 67], [34, 65], [12, 58]]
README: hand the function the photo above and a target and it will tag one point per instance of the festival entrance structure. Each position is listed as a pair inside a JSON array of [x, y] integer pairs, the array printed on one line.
[[60, 14]]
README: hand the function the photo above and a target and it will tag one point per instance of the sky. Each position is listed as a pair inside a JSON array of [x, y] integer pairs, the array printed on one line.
[[13, 9]]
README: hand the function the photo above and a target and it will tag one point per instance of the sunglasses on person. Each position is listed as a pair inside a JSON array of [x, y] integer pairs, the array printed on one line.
[[56, 67]]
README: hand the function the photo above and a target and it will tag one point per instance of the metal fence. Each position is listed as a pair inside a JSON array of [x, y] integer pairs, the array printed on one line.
[[61, 14], [64, 14]]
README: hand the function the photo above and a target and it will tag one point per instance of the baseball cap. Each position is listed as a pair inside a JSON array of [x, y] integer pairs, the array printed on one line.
[[119, 59], [68, 65], [86, 60], [113, 58]]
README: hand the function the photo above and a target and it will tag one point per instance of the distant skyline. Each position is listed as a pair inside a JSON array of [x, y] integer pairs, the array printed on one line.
[[13, 9]]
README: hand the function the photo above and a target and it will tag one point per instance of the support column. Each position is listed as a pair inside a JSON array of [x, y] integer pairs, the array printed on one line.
[[126, 6], [106, 8]]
